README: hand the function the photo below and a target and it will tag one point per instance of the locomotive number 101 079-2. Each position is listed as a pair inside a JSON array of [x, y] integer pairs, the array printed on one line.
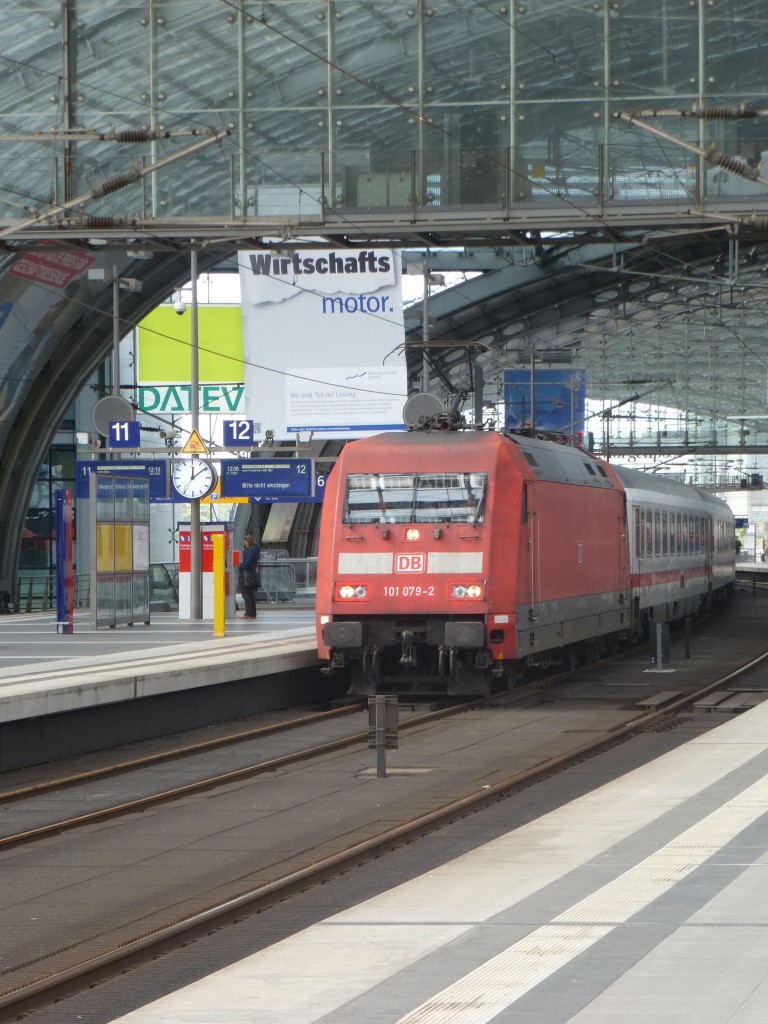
[[504, 552], [409, 591]]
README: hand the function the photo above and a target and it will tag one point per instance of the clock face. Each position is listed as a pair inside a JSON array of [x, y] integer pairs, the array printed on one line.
[[194, 478]]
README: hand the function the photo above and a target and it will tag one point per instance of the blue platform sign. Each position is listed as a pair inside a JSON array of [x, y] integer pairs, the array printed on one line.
[[155, 469], [310, 499], [267, 479], [125, 434], [238, 433]]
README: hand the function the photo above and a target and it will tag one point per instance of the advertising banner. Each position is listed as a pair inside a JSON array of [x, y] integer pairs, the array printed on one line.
[[164, 353], [322, 342], [559, 397]]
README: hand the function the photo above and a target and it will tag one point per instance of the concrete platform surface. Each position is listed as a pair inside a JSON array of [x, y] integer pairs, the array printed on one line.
[[644, 901]]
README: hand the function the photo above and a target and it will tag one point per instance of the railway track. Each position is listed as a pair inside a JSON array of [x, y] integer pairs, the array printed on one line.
[[109, 812], [49, 973], [57, 781]]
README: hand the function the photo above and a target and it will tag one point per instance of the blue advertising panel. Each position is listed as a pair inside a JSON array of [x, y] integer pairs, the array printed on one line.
[[125, 434], [267, 479], [560, 397], [155, 469], [238, 433]]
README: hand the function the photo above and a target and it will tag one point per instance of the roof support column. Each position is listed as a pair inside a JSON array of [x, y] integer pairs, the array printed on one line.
[[330, 54], [241, 186], [605, 170], [69, 73], [151, 104], [512, 117], [420, 197], [701, 176]]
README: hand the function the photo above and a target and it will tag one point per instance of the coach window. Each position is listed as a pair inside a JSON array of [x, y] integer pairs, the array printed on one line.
[[644, 532], [685, 535], [638, 531], [657, 533], [679, 534], [664, 534]]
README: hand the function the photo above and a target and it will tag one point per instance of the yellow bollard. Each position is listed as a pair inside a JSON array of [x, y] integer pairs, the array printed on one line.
[[218, 584]]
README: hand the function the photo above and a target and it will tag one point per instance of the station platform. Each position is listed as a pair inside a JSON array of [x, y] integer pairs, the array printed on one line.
[[66, 689], [644, 901]]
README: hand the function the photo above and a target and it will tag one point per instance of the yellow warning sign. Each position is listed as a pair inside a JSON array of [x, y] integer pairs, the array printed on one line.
[[195, 445]]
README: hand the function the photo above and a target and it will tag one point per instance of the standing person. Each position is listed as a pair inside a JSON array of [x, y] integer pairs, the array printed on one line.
[[249, 574]]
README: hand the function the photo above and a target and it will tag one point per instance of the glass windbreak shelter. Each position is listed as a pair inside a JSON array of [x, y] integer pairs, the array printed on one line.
[[120, 591]]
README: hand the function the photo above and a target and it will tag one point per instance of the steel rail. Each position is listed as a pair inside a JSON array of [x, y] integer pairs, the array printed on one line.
[[187, 750], [25, 996], [210, 782]]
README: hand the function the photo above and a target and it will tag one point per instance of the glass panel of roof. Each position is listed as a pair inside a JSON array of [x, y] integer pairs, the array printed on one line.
[[559, 50], [468, 55], [652, 53]]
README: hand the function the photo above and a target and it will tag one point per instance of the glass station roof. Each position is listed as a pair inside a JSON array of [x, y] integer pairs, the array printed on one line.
[[479, 121]]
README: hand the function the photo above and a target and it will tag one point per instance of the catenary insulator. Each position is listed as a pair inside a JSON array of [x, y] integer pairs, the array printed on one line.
[[733, 164], [140, 135], [720, 113], [113, 185], [103, 223]]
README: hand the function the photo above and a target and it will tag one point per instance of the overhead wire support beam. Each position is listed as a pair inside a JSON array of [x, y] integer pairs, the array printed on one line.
[[710, 154], [740, 113], [114, 184], [122, 135]]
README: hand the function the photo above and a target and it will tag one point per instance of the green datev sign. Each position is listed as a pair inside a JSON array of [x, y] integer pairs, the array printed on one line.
[[176, 399]]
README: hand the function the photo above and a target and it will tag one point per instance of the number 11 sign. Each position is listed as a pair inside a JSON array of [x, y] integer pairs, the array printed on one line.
[[125, 434]]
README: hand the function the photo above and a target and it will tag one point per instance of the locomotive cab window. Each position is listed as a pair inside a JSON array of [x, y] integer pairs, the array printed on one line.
[[415, 498]]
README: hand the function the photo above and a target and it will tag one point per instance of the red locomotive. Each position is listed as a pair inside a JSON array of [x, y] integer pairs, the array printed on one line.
[[449, 560]]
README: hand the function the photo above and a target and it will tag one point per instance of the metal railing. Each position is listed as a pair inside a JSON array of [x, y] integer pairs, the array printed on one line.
[[283, 581], [36, 592]]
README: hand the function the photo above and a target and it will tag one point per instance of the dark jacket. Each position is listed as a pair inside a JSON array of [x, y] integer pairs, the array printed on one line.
[[249, 561]]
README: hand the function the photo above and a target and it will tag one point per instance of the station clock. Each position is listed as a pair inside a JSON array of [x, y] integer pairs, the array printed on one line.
[[194, 477]]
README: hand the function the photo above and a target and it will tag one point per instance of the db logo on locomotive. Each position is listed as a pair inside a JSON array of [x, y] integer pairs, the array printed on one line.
[[416, 562]]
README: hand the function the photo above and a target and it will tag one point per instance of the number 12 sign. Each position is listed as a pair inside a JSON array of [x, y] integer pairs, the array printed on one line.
[[125, 434], [238, 433]]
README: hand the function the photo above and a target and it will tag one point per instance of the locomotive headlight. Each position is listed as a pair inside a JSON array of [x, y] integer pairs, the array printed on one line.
[[353, 591], [412, 533], [464, 591]]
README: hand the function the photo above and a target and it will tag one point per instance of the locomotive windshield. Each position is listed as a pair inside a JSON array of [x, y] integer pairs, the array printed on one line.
[[415, 497]]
